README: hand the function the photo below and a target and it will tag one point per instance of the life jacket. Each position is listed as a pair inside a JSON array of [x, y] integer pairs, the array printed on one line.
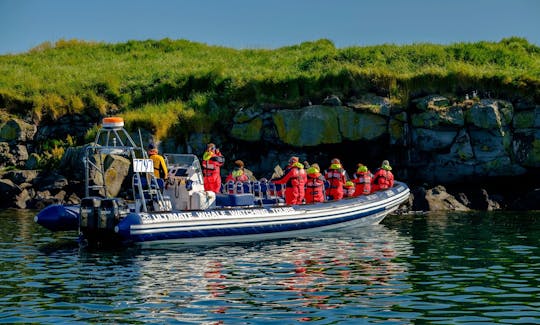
[[211, 163], [362, 182], [348, 189], [290, 177], [336, 177], [237, 175], [382, 180], [314, 188]]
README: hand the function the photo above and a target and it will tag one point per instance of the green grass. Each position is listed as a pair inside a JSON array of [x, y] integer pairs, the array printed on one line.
[[196, 85]]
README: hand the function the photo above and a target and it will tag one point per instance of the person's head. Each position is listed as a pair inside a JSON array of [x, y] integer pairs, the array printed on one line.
[[210, 147], [152, 150], [239, 164], [361, 168], [293, 160], [306, 164], [335, 164], [349, 184], [316, 166], [386, 165]]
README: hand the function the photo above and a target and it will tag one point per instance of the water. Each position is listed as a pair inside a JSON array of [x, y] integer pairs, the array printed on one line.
[[447, 268]]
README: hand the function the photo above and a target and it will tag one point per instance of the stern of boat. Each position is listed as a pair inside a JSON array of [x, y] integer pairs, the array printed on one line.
[[98, 218]]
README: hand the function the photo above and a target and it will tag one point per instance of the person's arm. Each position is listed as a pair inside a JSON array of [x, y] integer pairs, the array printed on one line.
[[164, 166]]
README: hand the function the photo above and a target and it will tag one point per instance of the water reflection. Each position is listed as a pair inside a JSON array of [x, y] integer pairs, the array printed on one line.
[[304, 277]]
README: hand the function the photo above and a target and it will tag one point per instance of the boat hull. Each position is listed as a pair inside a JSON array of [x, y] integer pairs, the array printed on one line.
[[259, 223], [234, 224], [58, 217]]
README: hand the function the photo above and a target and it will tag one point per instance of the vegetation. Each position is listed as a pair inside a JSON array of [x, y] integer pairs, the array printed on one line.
[[172, 85]]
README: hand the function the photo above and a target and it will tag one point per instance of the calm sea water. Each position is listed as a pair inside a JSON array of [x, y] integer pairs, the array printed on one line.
[[446, 268]]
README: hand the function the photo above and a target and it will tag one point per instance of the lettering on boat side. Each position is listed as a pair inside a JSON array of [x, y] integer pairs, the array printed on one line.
[[180, 216]]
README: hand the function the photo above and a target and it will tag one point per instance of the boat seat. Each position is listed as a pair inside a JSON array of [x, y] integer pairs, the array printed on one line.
[[231, 200], [256, 189], [230, 188]]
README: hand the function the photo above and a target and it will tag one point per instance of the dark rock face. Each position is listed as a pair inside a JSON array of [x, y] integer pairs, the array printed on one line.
[[434, 140]]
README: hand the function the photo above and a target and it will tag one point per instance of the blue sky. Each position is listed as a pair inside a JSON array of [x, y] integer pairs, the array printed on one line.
[[267, 24]]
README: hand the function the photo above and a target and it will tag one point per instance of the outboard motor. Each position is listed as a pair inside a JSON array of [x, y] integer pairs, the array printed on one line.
[[89, 213], [98, 217]]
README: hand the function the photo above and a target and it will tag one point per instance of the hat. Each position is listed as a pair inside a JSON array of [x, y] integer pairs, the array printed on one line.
[[386, 165], [312, 170], [239, 163], [335, 161], [151, 146], [361, 168]]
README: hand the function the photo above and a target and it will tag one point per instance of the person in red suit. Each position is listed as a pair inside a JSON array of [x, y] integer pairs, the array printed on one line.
[[290, 179], [238, 174], [302, 180], [314, 185], [383, 178], [362, 180], [337, 177], [211, 164]]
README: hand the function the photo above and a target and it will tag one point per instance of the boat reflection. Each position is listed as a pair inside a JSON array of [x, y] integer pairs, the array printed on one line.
[[305, 274]]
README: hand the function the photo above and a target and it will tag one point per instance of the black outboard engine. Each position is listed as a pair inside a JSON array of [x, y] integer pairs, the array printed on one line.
[[99, 217]]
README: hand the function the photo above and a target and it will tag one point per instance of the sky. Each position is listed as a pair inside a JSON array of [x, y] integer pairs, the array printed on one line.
[[268, 24]]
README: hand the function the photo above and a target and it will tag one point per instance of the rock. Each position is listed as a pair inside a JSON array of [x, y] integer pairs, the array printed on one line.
[[249, 131], [490, 114], [22, 200], [332, 100], [9, 191], [439, 200], [16, 130], [6, 157], [21, 176], [49, 182], [431, 102], [116, 169]]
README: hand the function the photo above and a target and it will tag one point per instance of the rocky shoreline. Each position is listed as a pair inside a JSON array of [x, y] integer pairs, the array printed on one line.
[[33, 189], [473, 154]]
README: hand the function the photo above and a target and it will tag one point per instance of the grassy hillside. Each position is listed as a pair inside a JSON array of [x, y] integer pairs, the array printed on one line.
[[195, 85]]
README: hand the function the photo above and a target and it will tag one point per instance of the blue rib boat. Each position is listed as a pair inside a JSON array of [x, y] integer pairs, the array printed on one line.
[[181, 211]]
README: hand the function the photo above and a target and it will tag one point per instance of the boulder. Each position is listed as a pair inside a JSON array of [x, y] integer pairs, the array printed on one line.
[[309, 126], [490, 114], [439, 200], [116, 170], [16, 130], [431, 102], [21, 176]]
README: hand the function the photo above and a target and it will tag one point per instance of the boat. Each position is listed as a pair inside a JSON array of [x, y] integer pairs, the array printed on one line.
[[179, 210]]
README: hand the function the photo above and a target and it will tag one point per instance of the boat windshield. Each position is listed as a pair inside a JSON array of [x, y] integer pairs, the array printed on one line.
[[184, 165]]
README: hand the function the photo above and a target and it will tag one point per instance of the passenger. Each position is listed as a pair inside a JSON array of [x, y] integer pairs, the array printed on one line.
[[314, 185], [383, 178], [348, 189], [160, 167], [362, 179], [302, 180], [336, 176], [290, 178], [238, 174], [211, 163]]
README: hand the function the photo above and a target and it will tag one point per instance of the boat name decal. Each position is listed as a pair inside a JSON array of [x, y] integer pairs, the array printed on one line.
[[179, 216]]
